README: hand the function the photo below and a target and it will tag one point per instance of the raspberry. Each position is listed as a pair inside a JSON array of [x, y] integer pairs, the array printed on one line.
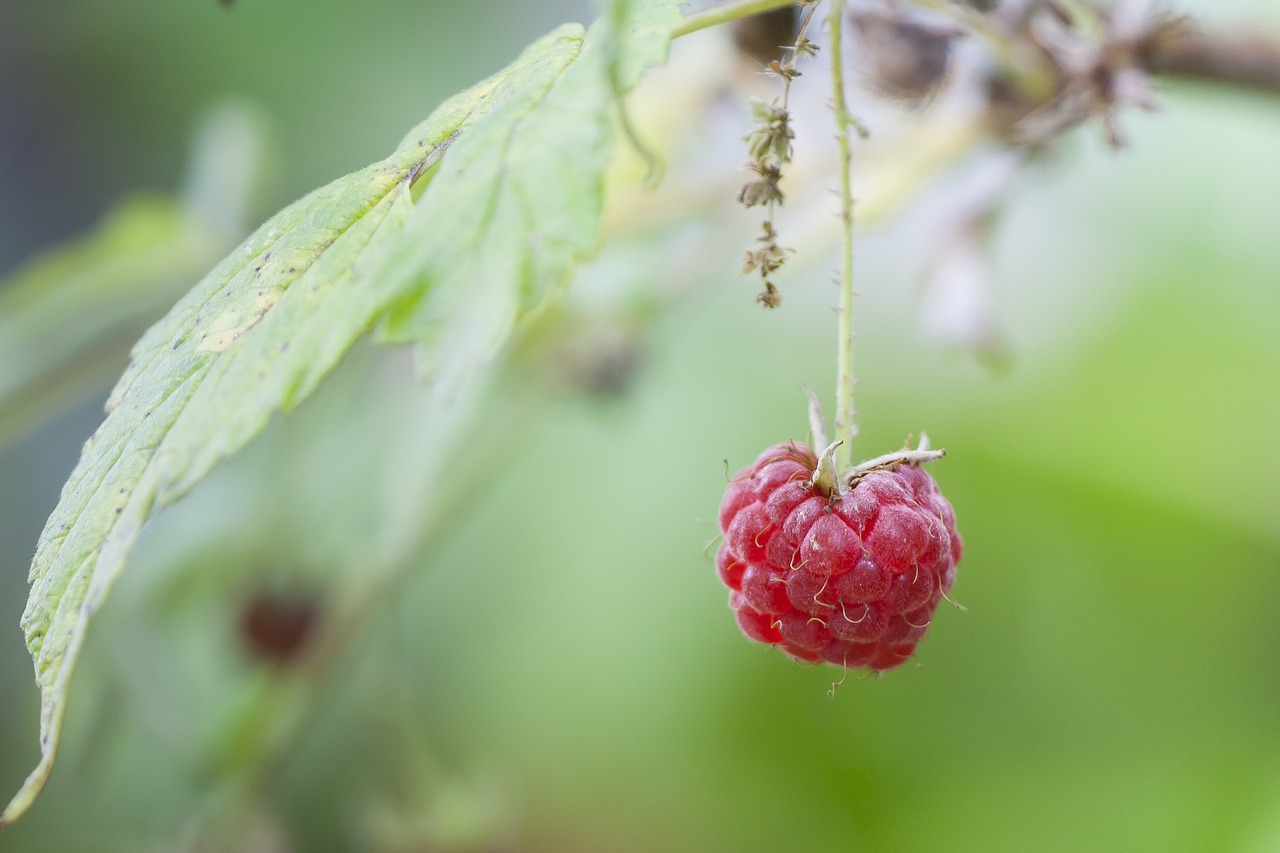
[[853, 578]]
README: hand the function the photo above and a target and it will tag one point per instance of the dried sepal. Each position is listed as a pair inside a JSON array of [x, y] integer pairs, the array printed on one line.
[[783, 70], [804, 47], [772, 135], [764, 191], [769, 297]]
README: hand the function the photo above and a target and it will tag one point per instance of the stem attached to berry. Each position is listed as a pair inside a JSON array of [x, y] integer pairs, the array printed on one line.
[[845, 426]]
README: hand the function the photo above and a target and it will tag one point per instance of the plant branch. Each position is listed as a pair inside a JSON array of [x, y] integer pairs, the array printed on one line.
[[844, 426], [1241, 59], [727, 13]]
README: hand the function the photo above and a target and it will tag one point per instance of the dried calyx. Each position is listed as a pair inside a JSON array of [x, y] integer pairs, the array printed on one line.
[[828, 481]]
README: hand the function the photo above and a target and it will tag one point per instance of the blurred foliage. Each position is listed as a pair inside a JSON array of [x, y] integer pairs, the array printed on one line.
[[69, 317], [563, 673], [66, 321], [453, 273]]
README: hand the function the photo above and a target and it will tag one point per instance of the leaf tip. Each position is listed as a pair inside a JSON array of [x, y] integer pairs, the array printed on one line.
[[30, 789]]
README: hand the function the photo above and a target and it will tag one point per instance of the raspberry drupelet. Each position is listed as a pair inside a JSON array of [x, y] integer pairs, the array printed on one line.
[[849, 575]]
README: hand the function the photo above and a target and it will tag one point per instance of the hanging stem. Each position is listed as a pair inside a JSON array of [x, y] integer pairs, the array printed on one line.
[[727, 13], [845, 427]]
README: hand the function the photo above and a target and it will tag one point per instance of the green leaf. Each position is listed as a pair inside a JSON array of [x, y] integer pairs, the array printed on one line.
[[638, 36], [255, 336], [67, 318], [516, 201], [508, 219]]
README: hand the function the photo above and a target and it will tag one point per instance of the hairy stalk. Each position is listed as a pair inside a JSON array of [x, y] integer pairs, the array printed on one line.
[[726, 14], [844, 425]]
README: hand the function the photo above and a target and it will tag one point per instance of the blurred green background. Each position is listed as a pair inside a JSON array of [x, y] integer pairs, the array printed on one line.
[[561, 672]]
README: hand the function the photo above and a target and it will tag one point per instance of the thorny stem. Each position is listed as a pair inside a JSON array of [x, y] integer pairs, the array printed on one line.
[[727, 13], [844, 425]]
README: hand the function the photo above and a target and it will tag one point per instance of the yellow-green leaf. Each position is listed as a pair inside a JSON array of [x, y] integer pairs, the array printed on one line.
[[475, 219], [254, 337]]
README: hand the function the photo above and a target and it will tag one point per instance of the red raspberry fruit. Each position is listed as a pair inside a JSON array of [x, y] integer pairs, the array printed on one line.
[[853, 578]]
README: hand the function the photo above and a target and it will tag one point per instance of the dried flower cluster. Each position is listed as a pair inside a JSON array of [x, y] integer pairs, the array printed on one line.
[[1021, 74], [1039, 68], [770, 145], [1051, 65], [1096, 61]]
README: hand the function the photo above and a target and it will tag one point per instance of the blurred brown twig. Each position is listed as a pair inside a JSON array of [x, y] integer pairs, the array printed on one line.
[[1241, 59]]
